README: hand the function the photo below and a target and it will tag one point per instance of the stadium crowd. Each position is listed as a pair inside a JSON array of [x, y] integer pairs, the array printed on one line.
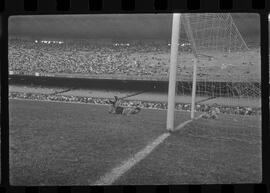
[[86, 57], [143, 104], [101, 58], [106, 58]]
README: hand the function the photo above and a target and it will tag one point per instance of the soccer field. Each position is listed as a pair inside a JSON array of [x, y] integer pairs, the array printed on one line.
[[55, 143]]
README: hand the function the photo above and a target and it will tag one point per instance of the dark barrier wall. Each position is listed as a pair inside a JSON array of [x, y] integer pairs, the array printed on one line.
[[203, 88], [134, 85]]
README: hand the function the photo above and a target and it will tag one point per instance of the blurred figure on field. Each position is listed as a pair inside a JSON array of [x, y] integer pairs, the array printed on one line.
[[115, 106]]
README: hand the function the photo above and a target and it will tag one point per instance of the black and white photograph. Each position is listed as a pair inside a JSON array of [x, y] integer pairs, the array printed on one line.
[[134, 99]]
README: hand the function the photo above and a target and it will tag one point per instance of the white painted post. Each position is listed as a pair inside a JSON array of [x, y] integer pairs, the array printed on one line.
[[194, 88], [193, 44], [173, 64]]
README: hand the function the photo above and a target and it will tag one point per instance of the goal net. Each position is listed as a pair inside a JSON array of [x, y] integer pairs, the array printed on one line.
[[215, 63], [218, 78]]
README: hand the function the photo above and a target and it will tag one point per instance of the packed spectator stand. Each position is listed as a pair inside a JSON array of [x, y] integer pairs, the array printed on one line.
[[86, 57], [130, 60], [101, 58]]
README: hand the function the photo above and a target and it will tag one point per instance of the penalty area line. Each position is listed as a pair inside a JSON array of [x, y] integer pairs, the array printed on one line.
[[187, 122], [110, 177]]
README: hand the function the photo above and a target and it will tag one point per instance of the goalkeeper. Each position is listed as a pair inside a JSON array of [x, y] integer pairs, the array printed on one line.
[[212, 113], [115, 107]]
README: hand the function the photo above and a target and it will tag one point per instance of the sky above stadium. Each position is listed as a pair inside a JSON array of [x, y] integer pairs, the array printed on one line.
[[116, 26]]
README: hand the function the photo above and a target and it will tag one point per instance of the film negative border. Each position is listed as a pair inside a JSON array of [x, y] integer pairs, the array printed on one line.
[[247, 188], [84, 6], [28, 7]]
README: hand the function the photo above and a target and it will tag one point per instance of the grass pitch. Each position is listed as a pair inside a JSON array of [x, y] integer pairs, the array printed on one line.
[[74, 144], [204, 152]]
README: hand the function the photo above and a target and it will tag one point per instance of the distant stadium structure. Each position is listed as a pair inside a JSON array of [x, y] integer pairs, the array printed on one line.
[[211, 63]]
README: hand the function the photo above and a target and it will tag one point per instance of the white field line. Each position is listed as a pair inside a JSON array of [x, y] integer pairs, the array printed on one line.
[[186, 122], [182, 125], [110, 177]]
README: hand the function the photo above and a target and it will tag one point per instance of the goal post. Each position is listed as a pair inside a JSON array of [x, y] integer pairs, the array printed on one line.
[[195, 61], [172, 73], [193, 97], [215, 68], [176, 24]]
